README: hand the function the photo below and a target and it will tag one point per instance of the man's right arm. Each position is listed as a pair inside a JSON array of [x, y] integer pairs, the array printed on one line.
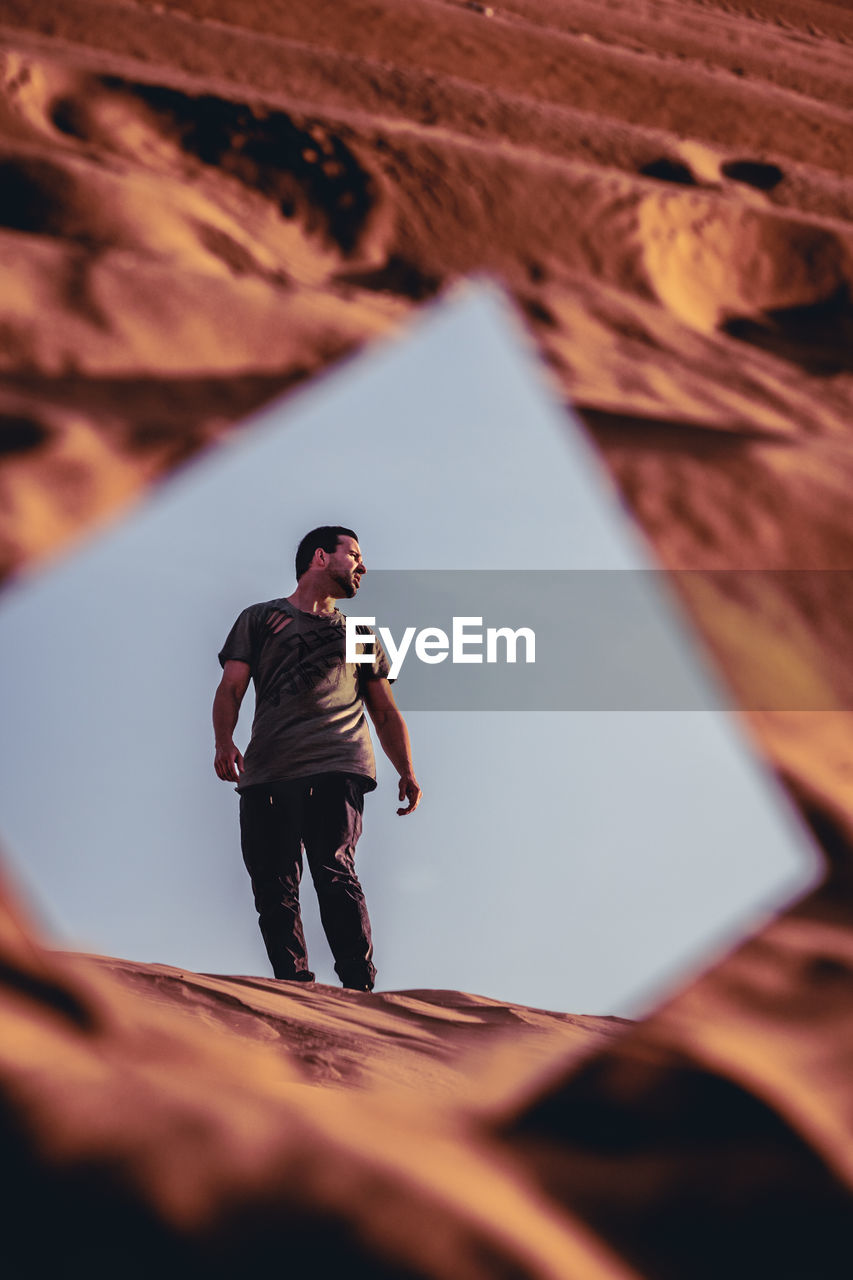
[[228, 762]]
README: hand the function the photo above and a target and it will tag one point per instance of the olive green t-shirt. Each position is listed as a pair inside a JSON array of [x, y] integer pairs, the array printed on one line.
[[309, 713]]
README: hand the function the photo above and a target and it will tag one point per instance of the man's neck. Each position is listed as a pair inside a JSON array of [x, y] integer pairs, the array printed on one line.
[[311, 599]]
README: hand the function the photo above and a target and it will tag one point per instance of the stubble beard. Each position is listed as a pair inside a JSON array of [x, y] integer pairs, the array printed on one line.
[[347, 585]]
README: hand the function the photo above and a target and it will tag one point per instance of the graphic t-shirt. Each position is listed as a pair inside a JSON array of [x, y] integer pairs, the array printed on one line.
[[309, 713]]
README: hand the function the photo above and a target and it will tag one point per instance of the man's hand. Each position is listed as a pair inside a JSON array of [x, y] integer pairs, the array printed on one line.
[[410, 791], [228, 763], [394, 737]]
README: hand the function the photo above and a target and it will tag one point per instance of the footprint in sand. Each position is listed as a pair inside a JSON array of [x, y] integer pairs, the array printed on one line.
[[252, 191], [713, 260], [700, 165], [755, 173], [20, 434], [665, 169]]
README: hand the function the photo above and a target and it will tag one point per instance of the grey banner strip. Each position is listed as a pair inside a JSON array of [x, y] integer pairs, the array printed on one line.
[[610, 640]]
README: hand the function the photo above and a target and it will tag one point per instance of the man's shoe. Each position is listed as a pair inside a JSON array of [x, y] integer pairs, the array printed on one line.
[[357, 986], [304, 975]]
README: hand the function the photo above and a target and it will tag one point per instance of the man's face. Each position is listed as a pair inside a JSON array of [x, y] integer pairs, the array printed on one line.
[[345, 567]]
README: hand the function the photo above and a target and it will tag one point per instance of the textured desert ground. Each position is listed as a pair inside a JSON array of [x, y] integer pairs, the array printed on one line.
[[204, 203]]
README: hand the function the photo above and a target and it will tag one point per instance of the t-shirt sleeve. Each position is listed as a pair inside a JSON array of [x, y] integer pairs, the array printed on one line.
[[240, 644]]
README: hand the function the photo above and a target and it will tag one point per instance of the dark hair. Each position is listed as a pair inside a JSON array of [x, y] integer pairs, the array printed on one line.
[[326, 538]]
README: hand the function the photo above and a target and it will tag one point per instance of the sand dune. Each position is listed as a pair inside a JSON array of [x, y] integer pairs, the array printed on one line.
[[202, 204], [444, 1042]]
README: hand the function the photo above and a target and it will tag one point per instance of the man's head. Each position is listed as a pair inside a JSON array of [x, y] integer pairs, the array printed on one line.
[[333, 551]]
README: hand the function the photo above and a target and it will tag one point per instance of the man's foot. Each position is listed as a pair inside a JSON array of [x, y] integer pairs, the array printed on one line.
[[304, 975], [356, 975]]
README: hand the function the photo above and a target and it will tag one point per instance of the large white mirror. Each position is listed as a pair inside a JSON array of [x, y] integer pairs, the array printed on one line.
[[579, 859]]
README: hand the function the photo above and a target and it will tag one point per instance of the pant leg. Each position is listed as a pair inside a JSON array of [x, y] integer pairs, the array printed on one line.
[[333, 812], [271, 819]]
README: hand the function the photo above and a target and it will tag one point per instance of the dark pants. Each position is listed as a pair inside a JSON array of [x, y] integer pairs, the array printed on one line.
[[323, 815]]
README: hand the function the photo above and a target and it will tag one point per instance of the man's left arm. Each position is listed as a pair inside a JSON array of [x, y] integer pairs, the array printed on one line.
[[393, 738]]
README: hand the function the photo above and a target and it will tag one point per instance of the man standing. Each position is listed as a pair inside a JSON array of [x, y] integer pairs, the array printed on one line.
[[310, 759]]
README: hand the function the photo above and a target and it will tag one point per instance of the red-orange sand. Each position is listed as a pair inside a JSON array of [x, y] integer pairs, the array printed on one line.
[[202, 203]]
